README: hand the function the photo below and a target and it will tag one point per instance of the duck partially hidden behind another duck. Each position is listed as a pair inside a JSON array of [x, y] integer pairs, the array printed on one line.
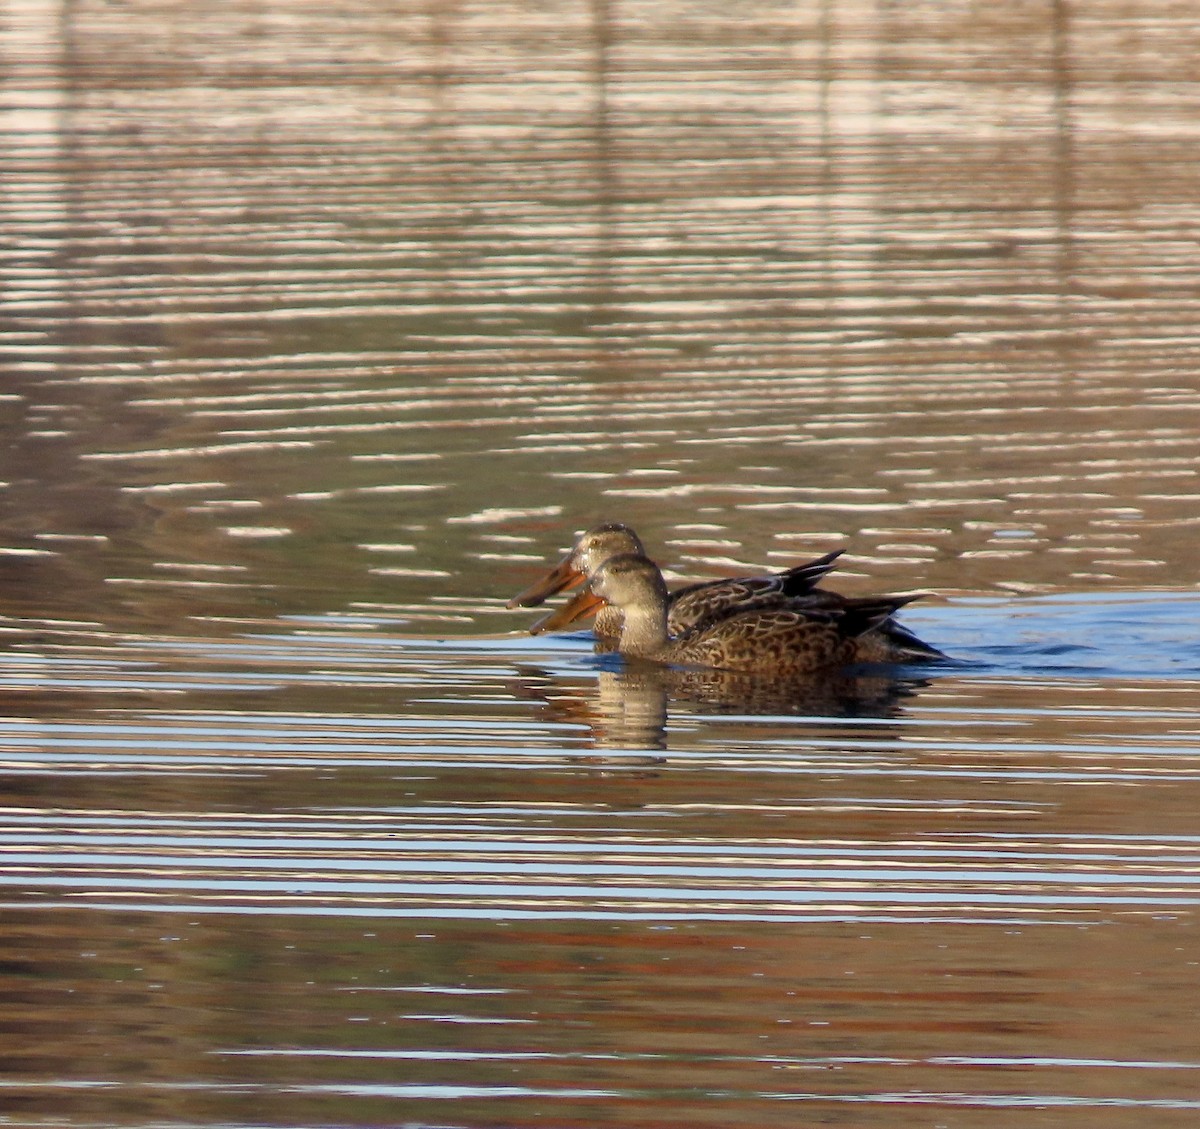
[[783, 639], [687, 606]]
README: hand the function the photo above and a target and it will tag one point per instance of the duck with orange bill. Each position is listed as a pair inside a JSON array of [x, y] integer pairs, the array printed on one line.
[[787, 638], [687, 606]]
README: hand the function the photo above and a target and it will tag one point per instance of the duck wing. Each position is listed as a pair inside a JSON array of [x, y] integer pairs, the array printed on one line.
[[711, 599], [785, 639]]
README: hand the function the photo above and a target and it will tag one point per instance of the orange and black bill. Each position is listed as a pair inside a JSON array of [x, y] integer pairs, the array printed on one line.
[[563, 575], [585, 604]]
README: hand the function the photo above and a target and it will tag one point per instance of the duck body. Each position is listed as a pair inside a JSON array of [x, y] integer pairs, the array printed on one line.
[[788, 640], [686, 607], [785, 638]]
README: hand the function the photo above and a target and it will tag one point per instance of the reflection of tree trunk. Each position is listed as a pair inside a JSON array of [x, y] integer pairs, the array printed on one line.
[[827, 184], [1063, 173], [444, 154], [844, 209], [33, 51], [38, 300], [55, 502], [600, 275]]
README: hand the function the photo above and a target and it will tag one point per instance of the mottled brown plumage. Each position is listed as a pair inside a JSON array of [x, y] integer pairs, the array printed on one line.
[[687, 606], [789, 638]]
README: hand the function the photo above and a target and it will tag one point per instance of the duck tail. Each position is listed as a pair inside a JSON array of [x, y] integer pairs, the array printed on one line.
[[908, 645], [864, 613], [802, 579], [873, 613]]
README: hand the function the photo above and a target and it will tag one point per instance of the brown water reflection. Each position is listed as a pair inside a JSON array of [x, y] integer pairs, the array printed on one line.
[[322, 876], [373, 309], [323, 328], [622, 1025]]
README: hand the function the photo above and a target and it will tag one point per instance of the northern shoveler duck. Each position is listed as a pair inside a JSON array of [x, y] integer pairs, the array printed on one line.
[[686, 606], [785, 639]]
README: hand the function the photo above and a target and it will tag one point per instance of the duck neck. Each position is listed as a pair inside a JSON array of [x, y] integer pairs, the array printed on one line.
[[645, 630]]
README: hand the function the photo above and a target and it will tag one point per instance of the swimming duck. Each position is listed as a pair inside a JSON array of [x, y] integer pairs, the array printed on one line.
[[686, 606], [785, 639]]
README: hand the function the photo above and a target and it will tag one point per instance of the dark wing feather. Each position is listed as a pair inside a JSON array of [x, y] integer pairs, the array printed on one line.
[[713, 598], [802, 579]]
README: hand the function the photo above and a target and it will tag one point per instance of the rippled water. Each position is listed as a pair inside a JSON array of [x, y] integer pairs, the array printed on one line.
[[322, 331]]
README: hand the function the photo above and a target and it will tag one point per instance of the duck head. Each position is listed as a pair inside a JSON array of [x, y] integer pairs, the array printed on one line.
[[593, 547]]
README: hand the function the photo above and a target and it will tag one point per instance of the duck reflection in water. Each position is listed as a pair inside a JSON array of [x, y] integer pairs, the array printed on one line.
[[626, 706]]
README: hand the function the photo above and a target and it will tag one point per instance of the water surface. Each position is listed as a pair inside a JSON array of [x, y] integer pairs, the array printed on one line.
[[324, 330]]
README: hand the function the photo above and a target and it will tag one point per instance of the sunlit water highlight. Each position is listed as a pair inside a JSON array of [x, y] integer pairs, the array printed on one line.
[[324, 330]]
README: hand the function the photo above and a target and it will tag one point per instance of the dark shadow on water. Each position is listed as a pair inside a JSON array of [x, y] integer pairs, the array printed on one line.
[[629, 704], [855, 692]]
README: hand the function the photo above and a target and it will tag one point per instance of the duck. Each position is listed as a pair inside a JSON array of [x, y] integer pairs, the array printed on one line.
[[785, 639], [686, 606]]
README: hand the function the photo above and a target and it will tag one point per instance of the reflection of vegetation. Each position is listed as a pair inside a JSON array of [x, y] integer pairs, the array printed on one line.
[[453, 281]]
